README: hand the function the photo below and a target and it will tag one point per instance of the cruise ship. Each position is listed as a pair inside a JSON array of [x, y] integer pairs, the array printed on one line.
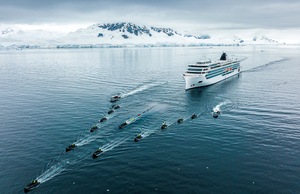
[[206, 72]]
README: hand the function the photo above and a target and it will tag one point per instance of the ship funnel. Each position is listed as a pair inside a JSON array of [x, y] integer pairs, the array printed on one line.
[[223, 57]]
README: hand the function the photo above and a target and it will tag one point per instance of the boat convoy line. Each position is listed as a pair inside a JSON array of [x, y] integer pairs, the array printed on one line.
[[201, 68], [35, 183]]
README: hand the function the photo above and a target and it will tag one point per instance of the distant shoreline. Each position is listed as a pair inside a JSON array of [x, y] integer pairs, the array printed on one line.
[[83, 46]]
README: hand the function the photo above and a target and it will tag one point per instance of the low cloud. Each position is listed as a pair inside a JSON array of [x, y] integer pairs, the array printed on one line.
[[268, 14]]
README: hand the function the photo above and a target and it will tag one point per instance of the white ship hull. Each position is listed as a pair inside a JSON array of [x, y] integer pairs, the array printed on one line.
[[206, 72], [200, 80]]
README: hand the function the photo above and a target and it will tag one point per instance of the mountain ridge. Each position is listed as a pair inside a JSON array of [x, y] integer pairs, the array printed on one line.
[[122, 34]]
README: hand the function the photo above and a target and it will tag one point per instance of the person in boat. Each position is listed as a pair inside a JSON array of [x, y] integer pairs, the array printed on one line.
[[138, 138], [31, 186], [115, 98], [73, 145], [122, 125], [216, 113], [116, 107], [95, 127], [194, 116], [164, 125], [103, 119], [70, 147], [110, 111], [97, 153], [180, 120]]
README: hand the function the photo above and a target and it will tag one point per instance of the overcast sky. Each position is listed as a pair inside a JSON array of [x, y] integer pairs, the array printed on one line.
[[187, 15]]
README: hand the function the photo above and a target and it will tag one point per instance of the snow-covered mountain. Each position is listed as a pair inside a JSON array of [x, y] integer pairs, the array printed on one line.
[[121, 34], [129, 33]]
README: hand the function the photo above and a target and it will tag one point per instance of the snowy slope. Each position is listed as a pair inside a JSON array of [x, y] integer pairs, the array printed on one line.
[[132, 34], [122, 34], [128, 33]]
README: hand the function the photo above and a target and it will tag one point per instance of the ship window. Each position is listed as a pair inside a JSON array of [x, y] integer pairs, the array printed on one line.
[[197, 66], [194, 69]]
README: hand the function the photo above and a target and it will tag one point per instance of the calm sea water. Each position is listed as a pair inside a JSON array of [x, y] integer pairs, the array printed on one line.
[[50, 99]]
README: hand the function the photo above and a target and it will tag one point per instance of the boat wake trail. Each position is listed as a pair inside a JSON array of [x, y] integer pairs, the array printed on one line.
[[133, 119], [145, 133], [111, 145], [50, 173], [60, 164], [59, 167], [218, 107], [174, 121], [265, 65], [141, 88], [87, 138]]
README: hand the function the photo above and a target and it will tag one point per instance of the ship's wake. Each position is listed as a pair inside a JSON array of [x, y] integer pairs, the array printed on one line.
[[260, 67]]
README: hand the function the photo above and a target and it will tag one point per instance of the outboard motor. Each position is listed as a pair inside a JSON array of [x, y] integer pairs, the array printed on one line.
[[223, 57]]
